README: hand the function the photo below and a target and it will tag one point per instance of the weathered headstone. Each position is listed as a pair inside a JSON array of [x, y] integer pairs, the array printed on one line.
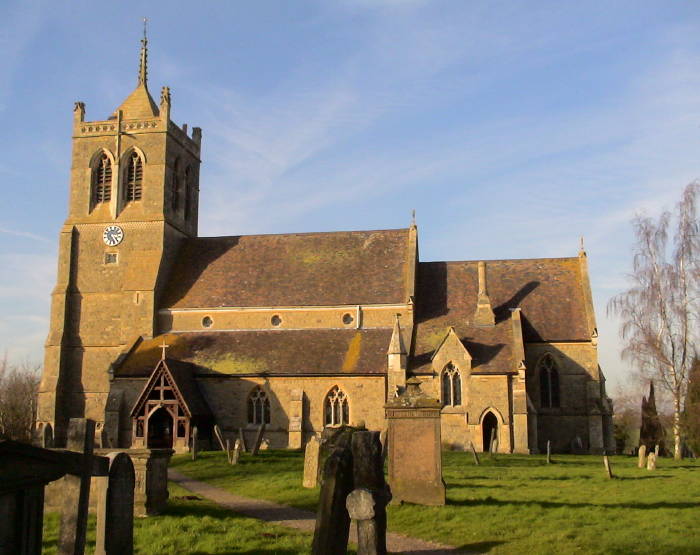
[[265, 444], [236, 453], [474, 453], [219, 437], [228, 451], [608, 468], [415, 456], [383, 438], [651, 461], [311, 458], [47, 437], [76, 489], [642, 456], [241, 438], [195, 433], [656, 450], [258, 439], [115, 509], [332, 518], [549, 452], [367, 503]]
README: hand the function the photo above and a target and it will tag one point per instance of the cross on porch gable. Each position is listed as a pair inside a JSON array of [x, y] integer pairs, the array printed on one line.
[[163, 346]]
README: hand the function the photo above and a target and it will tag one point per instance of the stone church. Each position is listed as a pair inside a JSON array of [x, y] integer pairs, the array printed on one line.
[[155, 330]]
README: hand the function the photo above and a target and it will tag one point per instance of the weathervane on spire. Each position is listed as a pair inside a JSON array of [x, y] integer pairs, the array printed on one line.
[[143, 63]]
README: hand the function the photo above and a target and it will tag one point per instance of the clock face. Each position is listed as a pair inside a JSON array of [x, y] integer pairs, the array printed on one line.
[[113, 235]]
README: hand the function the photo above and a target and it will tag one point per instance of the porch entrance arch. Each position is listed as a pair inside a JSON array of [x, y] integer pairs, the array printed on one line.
[[489, 427]]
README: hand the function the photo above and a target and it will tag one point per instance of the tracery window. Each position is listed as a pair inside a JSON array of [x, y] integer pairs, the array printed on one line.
[[134, 178], [451, 387], [102, 180], [258, 407], [175, 186], [336, 409], [549, 382]]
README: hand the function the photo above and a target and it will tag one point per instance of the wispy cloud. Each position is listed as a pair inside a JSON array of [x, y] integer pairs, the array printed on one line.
[[26, 234]]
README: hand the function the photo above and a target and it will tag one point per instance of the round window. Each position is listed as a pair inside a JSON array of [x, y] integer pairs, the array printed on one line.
[[275, 320], [207, 322], [347, 318]]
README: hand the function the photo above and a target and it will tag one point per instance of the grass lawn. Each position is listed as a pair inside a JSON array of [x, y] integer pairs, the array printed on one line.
[[196, 527], [514, 504]]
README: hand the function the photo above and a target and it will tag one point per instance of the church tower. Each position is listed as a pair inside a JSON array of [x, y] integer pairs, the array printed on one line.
[[134, 195]]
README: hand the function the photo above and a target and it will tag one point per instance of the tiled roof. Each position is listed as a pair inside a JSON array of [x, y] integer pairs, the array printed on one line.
[[337, 351], [549, 292], [304, 269]]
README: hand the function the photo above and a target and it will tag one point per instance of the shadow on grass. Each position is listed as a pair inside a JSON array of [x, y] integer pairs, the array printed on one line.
[[479, 547], [558, 505]]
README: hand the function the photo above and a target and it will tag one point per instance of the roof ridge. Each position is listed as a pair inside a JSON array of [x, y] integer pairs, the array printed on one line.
[[356, 231], [476, 261]]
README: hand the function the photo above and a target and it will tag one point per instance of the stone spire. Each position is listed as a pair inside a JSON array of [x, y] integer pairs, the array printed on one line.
[[484, 313], [143, 61], [396, 345]]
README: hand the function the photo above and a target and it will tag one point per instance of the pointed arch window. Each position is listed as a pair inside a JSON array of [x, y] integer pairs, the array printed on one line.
[[134, 177], [549, 382], [175, 186], [451, 386], [102, 180], [336, 408], [258, 407], [188, 192]]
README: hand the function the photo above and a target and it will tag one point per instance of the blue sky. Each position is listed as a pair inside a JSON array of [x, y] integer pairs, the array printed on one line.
[[513, 128]]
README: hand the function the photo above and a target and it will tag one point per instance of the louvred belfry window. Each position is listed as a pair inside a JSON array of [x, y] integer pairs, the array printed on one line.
[[336, 408], [102, 180], [134, 178]]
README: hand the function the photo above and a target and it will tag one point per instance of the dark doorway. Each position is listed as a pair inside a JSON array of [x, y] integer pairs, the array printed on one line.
[[489, 425], [160, 429]]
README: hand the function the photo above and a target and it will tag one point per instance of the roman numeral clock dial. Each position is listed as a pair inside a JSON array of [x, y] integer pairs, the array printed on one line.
[[113, 235]]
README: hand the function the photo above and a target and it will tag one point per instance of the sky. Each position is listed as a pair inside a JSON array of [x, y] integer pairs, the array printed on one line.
[[512, 128]]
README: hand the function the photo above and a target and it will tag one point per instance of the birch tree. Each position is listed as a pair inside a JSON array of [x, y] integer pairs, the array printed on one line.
[[659, 312]]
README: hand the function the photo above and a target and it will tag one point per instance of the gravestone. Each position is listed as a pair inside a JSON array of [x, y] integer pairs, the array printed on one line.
[[474, 454], [219, 437], [367, 503], [493, 446], [651, 461], [642, 456], [228, 451], [311, 458], [296, 408], [608, 468], [383, 440], [236, 454], [265, 444], [151, 487], [656, 450], [241, 438], [258, 439], [415, 457], [115, 508], [549, 452], [76, 488], [47, 437], [195, 433], [332, 519]]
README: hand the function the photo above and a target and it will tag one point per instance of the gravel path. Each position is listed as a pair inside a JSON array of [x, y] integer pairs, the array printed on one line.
[[297, 518]]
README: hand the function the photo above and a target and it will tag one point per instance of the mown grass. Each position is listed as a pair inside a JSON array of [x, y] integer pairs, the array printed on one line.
[[513, 504], [196, 526]]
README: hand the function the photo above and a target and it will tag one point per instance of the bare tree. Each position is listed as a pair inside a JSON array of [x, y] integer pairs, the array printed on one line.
[[659, 312], [18, 391]]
